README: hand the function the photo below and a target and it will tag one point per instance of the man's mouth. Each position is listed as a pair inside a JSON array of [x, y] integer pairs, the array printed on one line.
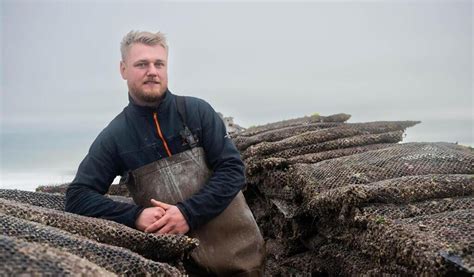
[[151, 82]]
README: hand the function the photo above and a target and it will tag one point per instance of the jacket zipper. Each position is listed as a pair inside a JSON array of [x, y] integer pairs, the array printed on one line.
[[160, 134]]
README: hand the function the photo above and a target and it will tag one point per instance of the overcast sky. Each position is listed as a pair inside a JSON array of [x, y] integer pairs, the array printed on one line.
[[258, 62]]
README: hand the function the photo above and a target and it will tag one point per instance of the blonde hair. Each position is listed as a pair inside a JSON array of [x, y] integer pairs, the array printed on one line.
[[147, 38]]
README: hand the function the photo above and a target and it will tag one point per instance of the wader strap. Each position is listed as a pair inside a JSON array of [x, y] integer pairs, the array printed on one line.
[[186, 134], [181, 105]]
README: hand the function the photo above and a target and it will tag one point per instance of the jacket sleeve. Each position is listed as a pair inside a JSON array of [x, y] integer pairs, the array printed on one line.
[[85, 195], [228, 176]]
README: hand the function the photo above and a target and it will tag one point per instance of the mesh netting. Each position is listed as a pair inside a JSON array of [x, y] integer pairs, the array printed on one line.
[[397, 211], [41, 199], [335, 188], [156, 247], [252, 131], [255, 169], [390, 137], [338, 260], [327, 155], [276, 185], [421, 242], [114, 259], [54, 201], [401, 160], [405, 189], [119, 189], [346, 261], [280, 227], [319, 136], [256, 166], [283, 252], [20, 258], [274, 223], [399, 182], [53, 188], [243, 142], [114, 189]]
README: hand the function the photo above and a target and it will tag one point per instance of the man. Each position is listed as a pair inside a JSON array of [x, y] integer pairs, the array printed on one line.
[[150, 129]]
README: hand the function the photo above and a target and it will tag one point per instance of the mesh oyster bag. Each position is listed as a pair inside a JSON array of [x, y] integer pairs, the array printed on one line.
[[114, 189], [402, 181], [401, 190], [243, 142], [398, 211], [256, 166], [114, 259], [20, 258], [155, 247], [324, 135], [338, 260], [434, 244], [54, 201], [252, 131], [41, 199], [53, 188], [407, 159], [361, 140], [327, 155]]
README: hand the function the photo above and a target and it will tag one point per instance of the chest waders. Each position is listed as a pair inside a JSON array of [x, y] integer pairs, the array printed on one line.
[[231, 243]]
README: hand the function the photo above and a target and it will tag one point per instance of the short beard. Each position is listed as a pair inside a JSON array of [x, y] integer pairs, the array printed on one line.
[[150, 98], [146, 99]]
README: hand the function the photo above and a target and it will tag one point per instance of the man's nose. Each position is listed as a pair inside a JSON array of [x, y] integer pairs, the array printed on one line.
[[152, 70]]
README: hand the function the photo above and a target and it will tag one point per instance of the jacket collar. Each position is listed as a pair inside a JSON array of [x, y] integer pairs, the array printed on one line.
[[145, 110]]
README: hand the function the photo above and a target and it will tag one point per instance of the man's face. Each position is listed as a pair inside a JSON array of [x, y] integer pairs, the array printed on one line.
[[146, 70]]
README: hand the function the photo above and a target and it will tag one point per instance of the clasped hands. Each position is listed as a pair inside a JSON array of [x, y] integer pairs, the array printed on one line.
[[162, 218]]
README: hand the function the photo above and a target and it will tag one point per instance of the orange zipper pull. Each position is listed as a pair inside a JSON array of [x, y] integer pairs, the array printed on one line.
[[160, 134]]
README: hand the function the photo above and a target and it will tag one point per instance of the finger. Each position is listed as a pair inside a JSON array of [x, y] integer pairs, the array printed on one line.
[[160, 212], [157, 225], [165, 229], [174, 232], [160, 204]]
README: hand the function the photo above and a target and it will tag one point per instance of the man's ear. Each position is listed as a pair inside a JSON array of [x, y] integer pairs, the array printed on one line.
[[122, 70]]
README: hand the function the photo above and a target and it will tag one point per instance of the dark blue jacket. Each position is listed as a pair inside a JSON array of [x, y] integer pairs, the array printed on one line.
[[132, 140]]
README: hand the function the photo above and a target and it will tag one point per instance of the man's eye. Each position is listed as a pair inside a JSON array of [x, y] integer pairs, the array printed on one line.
[[141, 65], [159, 64]]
